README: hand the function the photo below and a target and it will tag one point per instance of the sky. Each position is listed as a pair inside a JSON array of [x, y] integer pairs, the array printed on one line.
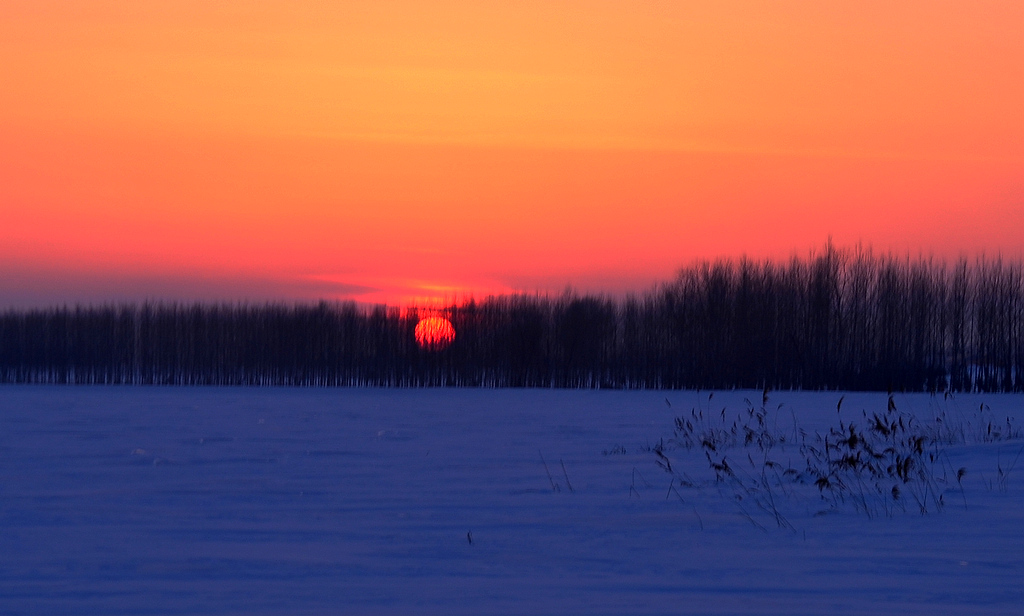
[[429, 151]]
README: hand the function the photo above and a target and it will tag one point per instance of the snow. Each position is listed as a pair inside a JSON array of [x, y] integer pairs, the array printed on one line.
[[266, 501]]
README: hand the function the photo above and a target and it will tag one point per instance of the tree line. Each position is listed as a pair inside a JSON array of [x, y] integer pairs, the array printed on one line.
[[837, 319]]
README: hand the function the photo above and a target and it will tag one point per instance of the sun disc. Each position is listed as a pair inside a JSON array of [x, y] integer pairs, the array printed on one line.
[[434, 333]]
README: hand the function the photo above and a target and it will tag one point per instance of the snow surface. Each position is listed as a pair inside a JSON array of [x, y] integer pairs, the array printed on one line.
[[304, 501]]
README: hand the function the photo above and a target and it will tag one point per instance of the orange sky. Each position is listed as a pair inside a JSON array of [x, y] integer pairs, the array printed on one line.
[[389, 151]]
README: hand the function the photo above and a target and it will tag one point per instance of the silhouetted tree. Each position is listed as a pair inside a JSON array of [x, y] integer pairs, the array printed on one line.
[[837, 319]]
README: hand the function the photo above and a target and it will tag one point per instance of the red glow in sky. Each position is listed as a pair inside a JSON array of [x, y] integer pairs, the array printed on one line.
[[417, 151]]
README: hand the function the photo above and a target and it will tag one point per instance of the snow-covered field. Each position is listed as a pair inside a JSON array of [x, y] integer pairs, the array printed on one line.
[[302, 501]]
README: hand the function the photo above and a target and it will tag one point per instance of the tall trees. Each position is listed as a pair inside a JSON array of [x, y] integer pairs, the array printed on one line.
[[837, 319]]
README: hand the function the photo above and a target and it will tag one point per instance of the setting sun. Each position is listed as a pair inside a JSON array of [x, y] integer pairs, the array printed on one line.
[[434, 333]]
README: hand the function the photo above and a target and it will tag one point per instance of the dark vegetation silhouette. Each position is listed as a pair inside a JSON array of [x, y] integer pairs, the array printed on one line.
[[839, 319]]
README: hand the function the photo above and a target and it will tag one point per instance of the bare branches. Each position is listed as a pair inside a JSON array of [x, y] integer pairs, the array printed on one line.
[[834, 320]]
